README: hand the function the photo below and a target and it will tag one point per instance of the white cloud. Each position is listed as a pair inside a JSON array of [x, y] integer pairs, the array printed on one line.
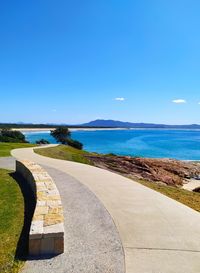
[[120, 99], [179, 101]]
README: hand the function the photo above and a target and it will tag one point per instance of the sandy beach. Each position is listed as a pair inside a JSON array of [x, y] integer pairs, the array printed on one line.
[[26, 130]]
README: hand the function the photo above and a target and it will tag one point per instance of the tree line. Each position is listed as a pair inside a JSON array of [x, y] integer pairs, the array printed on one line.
[[61, 134]]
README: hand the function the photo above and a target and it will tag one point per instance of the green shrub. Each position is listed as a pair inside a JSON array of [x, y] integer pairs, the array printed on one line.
[[42, 141], [74, 143], [7, 135], [110, 154]]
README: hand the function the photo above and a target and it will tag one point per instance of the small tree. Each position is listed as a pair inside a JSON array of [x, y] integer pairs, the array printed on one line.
[[61, 134]]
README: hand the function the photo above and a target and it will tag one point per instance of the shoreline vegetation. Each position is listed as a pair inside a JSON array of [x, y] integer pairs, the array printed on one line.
[[12, 139], [164, 176]]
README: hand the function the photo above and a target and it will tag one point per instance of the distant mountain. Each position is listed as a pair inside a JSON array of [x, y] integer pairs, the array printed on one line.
[[121, 124], [101, 123]]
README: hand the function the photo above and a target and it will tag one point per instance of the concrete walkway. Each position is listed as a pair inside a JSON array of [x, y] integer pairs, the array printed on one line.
[[92, 243], [158, 234], [7, 163]]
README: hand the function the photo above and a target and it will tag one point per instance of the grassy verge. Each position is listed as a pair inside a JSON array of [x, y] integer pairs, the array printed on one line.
[[6, 147], [11, 222], [190, 199], [65, 153]]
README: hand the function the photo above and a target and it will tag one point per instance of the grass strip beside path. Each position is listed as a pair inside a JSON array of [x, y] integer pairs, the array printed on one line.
[[11, 221], [6, 147], [188, 198], [66, 153]]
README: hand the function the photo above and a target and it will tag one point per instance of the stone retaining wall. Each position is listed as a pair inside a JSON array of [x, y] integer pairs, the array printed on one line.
[[46, 235]]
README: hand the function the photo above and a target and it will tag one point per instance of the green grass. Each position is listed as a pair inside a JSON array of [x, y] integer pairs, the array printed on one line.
[[66, 153], [11, 222], [6, 147], [188, 198]]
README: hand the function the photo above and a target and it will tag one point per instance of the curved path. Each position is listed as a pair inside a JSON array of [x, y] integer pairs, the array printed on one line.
[[92, 243], [158, 234]]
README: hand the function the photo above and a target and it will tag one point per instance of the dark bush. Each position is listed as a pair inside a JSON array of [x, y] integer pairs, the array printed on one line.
[[7, 135], [110, 154], [74, 143], [196, 189], [42, 141]]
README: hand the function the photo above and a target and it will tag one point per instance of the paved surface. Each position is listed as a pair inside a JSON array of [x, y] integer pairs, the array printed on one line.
[[159, 235], [92, 243], [7, 163]]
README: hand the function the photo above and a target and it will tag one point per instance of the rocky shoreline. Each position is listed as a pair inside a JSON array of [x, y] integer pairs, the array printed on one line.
[[167, 171]]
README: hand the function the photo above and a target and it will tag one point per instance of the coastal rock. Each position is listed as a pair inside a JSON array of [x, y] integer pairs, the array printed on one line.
[[168, 171]]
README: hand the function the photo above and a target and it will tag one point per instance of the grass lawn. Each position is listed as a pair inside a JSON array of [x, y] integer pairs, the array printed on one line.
[[66, 153], [190, 199], [11, 222], [6, 147]]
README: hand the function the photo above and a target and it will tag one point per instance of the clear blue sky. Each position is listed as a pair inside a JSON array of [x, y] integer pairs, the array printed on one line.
[[68, 61]]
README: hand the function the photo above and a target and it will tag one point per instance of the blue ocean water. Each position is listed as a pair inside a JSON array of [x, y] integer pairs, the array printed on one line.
[[179, 144]]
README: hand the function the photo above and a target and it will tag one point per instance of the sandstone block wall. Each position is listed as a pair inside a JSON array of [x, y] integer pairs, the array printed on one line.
[[46, 235]]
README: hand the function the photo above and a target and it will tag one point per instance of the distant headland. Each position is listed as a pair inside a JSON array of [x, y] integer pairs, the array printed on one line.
[[121, 124], [101, 123]]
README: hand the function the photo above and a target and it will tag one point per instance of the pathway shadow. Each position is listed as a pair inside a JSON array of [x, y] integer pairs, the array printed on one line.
[[29, 207]]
